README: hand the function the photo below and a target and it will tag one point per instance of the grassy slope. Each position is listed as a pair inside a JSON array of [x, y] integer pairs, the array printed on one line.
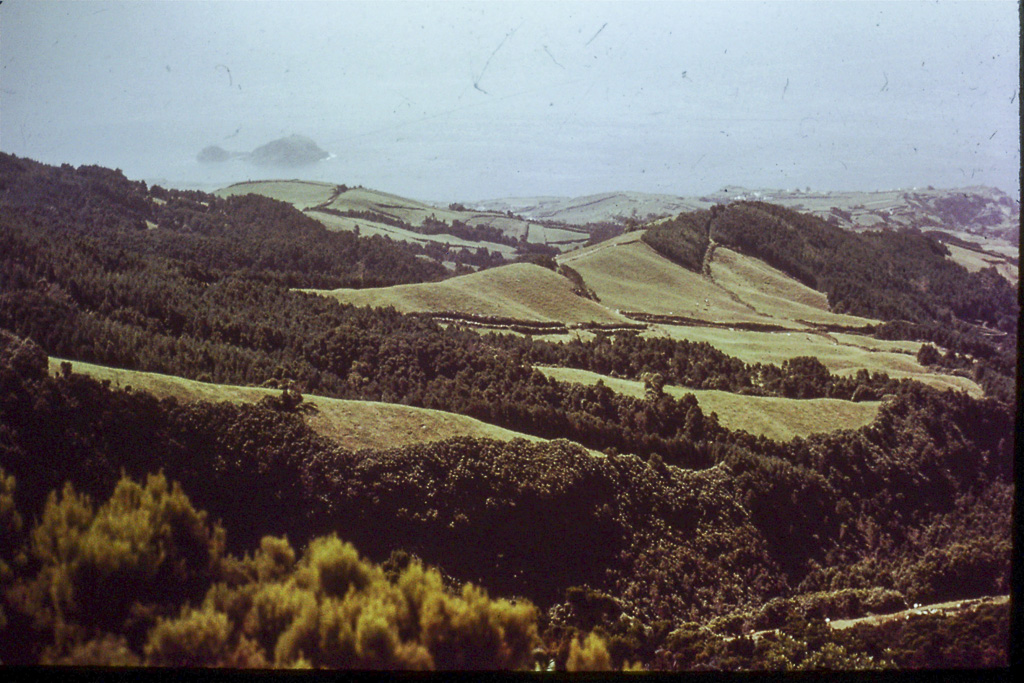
[[772, 292], [780, 419], [306, 194], [354, 424], [415, 213], [300, 193], [519, 290], [600, 207], [369, 228], [411, 211], [975, 261], [630, 276], [840, 353]]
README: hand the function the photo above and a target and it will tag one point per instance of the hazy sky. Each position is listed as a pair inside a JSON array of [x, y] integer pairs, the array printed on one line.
[[471, 100]]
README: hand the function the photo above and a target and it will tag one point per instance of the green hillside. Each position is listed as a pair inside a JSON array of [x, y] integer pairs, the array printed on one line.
[[902, 277], [344, 208], [776, 418], [353, 424]]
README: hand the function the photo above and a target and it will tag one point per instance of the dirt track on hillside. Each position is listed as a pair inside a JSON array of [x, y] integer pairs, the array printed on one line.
[[946, 608]]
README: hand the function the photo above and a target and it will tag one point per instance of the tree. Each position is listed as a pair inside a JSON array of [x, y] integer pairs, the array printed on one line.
[[654, 385], [928, 355]]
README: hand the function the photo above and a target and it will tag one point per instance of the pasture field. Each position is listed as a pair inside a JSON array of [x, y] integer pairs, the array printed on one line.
[[975, 261], [307, 194], [628, 275], [772, 292], [780, 419], [302, 194], [871, 344], [937, 380], [522, 291], [409, 210], [841, 353], [599, 207], [368, 228], [995, 245], [775, 347], [568, 238], [354, 424], [416, 212]]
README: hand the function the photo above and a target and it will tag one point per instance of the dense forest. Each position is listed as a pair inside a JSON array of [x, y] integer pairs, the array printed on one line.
[[279, 547], [656, 551]]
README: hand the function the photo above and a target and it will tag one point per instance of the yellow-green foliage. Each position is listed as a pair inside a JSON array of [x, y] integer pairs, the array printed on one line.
[[105, 650], [10, 532], [147, 545], [590, 654], [833, 657], [196, 638], [10, 527], [117, 585], [333, 609]]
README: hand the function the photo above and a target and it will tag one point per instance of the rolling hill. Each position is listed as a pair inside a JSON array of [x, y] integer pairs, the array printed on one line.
[[520, 292], [353, 424], [740, 305], [343, 208], [596, 208]]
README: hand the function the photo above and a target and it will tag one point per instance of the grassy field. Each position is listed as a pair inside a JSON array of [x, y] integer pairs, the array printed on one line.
[[369, 228], [975, 261], [301, 194], [630, 276], [566, 238], [932, 379], [772, 292], [411, 211], [354, 424], [599, 207], [780, 419], [520, 290], [415, 213], [841, 353], [304, 195]]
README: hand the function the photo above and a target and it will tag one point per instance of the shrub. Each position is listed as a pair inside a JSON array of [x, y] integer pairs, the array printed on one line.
[[196, 638], [146, 546], [589, 654]]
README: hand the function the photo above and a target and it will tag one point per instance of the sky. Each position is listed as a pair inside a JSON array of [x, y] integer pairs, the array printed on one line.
[[455, 101]]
